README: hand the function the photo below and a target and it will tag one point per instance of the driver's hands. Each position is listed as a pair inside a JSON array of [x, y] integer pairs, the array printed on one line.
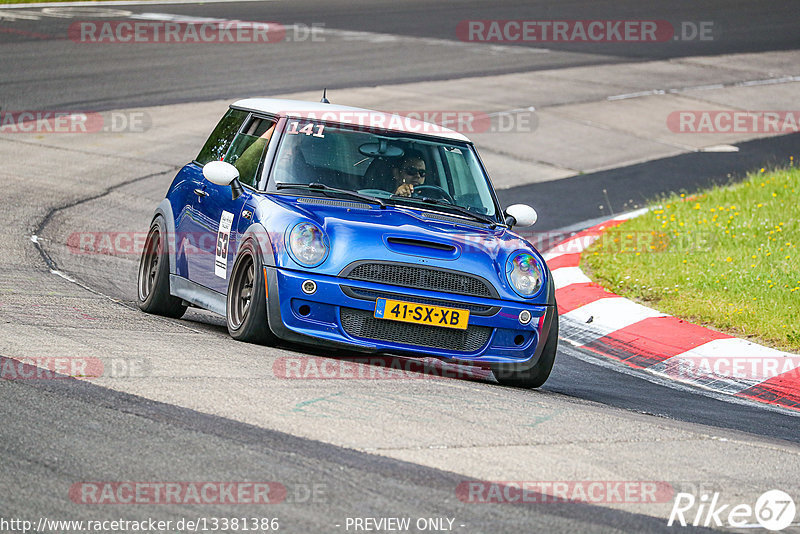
[[405, 190]]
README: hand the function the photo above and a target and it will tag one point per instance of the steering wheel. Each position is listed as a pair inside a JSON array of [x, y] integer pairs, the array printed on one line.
[[432, 191]]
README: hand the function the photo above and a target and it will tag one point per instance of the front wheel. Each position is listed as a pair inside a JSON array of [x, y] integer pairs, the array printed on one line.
[[247, 302], [153, 280], [537, 375]]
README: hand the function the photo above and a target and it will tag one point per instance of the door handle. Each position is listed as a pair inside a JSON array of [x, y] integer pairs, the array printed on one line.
[[200, 192]]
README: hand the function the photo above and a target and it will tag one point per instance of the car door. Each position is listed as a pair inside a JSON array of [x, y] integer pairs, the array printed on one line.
[[217, 214], [187, 206]]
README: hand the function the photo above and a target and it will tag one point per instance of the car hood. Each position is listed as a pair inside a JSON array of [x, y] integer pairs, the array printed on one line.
[[360, 232]]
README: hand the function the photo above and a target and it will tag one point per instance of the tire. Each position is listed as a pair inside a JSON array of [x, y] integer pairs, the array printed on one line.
[[537, 375], [153, 279], [246, 308]]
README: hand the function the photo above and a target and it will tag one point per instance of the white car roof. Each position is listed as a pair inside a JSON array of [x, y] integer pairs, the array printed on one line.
[[349, 115]]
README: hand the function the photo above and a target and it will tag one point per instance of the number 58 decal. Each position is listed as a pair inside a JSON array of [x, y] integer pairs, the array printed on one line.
[[223, 239]]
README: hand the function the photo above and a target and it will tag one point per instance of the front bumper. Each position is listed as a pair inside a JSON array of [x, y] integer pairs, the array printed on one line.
[[340, 312]]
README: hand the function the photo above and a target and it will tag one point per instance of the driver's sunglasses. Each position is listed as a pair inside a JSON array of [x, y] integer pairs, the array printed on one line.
[[411, 171]]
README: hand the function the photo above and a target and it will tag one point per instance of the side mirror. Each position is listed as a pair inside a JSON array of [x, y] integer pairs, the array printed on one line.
[[222, 173], [520, 215]]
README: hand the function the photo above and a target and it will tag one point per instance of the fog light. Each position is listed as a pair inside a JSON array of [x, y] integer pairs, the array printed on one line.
[[524, 317], [310, 286]]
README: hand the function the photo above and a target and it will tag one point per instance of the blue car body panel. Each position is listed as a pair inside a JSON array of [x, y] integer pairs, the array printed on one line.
[[340, 312]]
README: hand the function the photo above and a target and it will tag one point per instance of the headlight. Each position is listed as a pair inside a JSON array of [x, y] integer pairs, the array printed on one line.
[[307, 244], [524, 273]]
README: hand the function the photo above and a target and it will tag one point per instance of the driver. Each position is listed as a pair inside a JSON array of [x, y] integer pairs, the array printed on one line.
[[409, 172]]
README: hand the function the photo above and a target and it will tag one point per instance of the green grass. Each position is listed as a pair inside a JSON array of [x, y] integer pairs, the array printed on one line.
[[727, 258]]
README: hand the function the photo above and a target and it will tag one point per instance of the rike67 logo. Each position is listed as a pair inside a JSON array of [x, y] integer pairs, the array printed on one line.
[[774, 510]]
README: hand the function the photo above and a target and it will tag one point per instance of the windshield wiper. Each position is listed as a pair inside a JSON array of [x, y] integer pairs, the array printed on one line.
[[325, 189], [454, 207]]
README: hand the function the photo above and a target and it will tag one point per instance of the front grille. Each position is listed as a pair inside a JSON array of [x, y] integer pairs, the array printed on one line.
[[399, 274], [369, 294], [362, 324]]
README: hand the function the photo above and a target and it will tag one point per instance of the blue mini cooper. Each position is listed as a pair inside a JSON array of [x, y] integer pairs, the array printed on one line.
[[337, 226]]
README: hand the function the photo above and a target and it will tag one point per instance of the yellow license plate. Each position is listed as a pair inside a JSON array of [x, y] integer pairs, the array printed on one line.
[[411, 312]]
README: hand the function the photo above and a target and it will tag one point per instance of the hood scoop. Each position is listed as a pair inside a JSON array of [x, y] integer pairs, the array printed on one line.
[[420, 247]]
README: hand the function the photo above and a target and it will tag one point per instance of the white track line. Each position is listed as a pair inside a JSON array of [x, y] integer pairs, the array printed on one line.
[[747, 83]]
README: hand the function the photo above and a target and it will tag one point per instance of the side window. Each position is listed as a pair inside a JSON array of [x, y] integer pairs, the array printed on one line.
[[220, 139], [247, 150]]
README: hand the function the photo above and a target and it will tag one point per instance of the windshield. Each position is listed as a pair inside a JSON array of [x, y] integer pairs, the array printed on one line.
[[424, 173]]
